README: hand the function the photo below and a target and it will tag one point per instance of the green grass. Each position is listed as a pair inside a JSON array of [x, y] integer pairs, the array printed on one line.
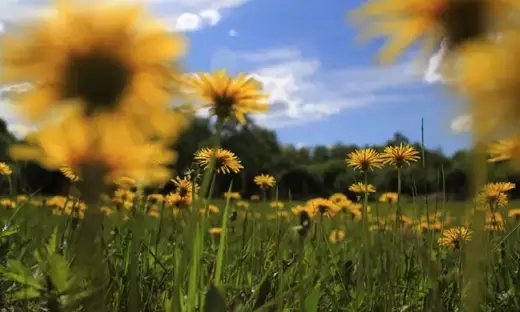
[[256, 264]]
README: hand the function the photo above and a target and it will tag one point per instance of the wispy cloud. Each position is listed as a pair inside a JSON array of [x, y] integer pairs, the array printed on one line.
[[302, 91], [180, 15], [461, 124]]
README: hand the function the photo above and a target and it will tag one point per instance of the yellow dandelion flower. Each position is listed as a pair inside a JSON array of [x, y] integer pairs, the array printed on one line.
[[212, 209], [177, 200], [226, 161], [361, 187], [265, 181], [299, 209], [125, 183], [514, 213], [7, 203], [232, 195], [398, 156], [336, 236], [109, 141], [215, 231], [125, 59], [504, 150], [489, 79], [107, 210], [389, 197], [69, 174], [184, 187], [355, 211], [339, 199], [459, 22], [21, 198], [277, 205], [5, 169], [154, 212], [242, 204], [155, 198], [255, 197], [364, 159], [454, 237], [228, 97], [322, 206]]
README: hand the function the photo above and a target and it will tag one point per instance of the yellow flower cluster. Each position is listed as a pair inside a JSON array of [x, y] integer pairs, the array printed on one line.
[[395, 156]]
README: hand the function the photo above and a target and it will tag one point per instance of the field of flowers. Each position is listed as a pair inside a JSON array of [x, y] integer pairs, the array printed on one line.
[[132, 235], [181, 252]]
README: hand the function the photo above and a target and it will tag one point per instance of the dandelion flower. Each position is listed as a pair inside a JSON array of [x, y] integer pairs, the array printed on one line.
[[515, 213], [108, 141], [215, 231], [504, 150], [232, 195], [390, 198], [361, 187], [265, 181], [226, 161], [277, 205], [454, 237], [398, 156], [322, 206], [228, 97], [5, 169], [184, 187], [364, 159], [124, 60], [336, 236], [459, 22], [69, 174]]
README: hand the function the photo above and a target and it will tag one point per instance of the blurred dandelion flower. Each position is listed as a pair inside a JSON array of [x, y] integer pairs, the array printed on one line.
[[108, 141], [515, 213], [364, 159], [460, 22], [265, 181], [5, 169], [504, 150], [69, 174], [389, 197], [277, 205], [336, 236], [123, 61], [232, 195], [361, 187], [226, 161], [454, 237], [226, 96], [215, 231], [322, 206]]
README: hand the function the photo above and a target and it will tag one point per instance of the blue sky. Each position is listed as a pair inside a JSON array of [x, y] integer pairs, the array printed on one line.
[[326, 87]]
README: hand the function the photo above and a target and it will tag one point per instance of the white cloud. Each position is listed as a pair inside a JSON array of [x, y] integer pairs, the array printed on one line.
[[302, 91], [461, 124], [181, 15], [188, 22], [232, 33], [212, 17]]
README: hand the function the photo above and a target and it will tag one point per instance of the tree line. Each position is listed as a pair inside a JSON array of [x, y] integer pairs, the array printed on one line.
[[301, 172]]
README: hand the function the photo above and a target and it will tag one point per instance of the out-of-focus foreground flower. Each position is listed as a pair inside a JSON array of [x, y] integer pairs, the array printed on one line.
[[108, 140], [118, 77]]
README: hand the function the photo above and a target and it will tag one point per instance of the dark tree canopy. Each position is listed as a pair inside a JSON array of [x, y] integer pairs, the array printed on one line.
[[301, 172]]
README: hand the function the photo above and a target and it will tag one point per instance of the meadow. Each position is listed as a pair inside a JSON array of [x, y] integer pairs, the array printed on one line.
[[255, 254]]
